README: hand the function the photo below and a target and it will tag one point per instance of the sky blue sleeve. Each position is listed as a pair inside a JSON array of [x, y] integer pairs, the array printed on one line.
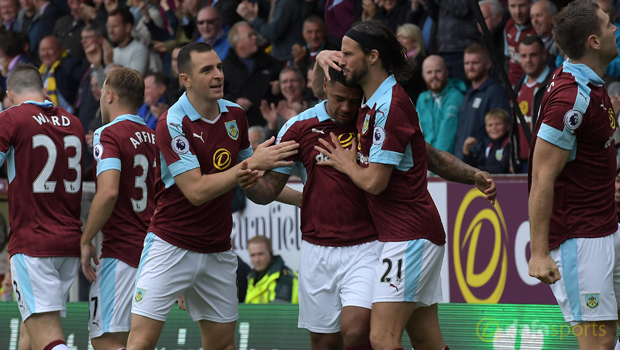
[[377, 154]]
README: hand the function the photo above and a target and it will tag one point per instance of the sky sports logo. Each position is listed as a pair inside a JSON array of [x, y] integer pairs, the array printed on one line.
[[533, 335]]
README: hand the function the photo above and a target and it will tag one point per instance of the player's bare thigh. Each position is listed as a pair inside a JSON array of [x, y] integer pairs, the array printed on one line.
[[110, 341], [387, 324], [217, 336], [144, 333], [44, 328], [423, 329], [596, 335]]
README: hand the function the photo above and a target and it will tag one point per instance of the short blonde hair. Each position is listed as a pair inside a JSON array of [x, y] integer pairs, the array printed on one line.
[[412, 31], [497, 113]]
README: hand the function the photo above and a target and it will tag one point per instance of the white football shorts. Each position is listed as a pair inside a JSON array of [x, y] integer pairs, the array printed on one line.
[[42, 284], [331, 278], [208, 282], [589, 287]]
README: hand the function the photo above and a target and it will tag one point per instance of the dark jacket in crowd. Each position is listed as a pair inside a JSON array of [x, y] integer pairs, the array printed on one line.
[[457, 28], [69, 32], [42, 26], [68, 77], [284, 30], [493, 157], [253, 85], [392, 19]]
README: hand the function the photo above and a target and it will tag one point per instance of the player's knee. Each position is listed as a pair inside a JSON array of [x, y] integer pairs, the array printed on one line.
[[381, 341], [142, 343], [24, 341], [355, 336]]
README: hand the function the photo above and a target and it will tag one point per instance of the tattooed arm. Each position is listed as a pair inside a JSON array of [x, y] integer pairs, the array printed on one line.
[[267, 188], [452, 169]]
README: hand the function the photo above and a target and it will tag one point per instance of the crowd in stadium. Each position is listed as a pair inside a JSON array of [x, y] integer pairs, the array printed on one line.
[[268, 50]]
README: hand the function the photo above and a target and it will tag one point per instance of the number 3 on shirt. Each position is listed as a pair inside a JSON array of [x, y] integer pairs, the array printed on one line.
[[41, 184]]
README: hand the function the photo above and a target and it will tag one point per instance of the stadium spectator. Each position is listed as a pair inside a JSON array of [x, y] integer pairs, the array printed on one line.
[[315, 35], [209, 25], [292, 84], [256, 135], [175, 89], [42, 25], [26, 15], [154, 99], [283, 28], [542, 13], [68, 29], [339, 15], [270, 281], [493, 13], [128, 52], [421, 14], [518, 27], [188, 11], [9, 9], [410, 36], [227, 10], [455, 32], [493, 156], [483, 95], [572, 170], [11, 53], [249, 73], [61, 74], [393, 13], [439, 107], [530, 89]]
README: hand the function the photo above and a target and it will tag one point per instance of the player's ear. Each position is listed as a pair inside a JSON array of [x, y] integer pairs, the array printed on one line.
[[185, 79], [594, 42], [9, 94]]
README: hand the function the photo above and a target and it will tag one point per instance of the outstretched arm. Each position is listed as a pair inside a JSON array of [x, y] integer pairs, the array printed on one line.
[[453, 169]]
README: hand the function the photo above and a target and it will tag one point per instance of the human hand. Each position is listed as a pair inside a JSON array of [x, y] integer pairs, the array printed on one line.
[[244, 103], [145, 11], [544, 268], [94, 55], [270, 114], [247, 178], [247, 10], [337, 156], [158, 109], [182, 303], [486, 185], [329, 58], [88, 251], [110, 5], [88, 13], [159, 46], [108, 52], [369, 9], [468, 144], [299, 53], [266, 157], [89, 138], [275, 87]]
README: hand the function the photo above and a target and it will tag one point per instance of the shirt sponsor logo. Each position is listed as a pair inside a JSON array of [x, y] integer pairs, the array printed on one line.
[[572, 119], [180, 145], [98, 151], [232, 129], [222, 159], [346, 140], [362, 158], [378, 136]]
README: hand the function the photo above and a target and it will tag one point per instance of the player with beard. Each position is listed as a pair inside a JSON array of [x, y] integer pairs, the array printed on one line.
[[575, 239], [335, 295], [392, 170]]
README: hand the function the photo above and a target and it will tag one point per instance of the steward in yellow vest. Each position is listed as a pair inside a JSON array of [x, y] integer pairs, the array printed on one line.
[[277, 284]]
